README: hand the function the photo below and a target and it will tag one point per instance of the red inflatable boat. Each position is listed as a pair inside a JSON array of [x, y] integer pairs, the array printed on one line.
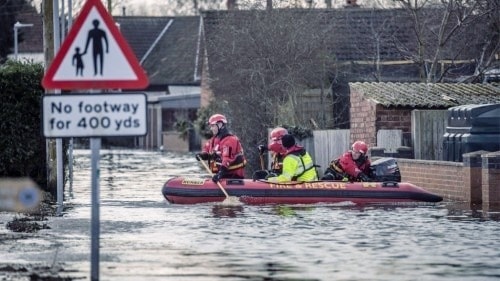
[[189, 190]]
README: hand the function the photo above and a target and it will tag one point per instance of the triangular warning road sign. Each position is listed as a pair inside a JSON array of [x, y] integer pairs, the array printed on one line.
[[95, 55]]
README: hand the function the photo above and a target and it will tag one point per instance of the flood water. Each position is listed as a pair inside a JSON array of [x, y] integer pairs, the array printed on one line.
[[143, 237]]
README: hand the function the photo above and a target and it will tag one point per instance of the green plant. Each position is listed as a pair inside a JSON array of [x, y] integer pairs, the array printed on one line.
[[201, 123], [299, 132], [183, 127], [22, 146]]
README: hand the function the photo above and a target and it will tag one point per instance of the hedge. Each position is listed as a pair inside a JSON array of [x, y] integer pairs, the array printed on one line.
[[22, 145]]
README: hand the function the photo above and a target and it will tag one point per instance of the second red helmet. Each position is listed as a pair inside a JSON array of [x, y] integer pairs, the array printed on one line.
[[277, 133], [275, 140]]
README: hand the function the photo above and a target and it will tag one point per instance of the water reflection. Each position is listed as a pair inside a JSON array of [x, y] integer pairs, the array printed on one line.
[[467, 211], [220, 211]]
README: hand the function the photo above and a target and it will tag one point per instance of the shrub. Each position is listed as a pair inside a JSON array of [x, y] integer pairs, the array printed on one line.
[[22, 145]]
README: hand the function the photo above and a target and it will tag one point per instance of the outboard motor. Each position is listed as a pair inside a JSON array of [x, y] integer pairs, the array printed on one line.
[[385, 169]]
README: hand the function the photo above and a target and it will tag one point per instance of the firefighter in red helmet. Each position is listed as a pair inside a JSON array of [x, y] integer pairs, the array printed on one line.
[[223, 151], [277, 150], [277, 153], [298, 165], [353, 165]]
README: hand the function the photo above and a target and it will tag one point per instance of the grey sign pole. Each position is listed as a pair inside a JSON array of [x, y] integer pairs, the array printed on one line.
[[95, 145]]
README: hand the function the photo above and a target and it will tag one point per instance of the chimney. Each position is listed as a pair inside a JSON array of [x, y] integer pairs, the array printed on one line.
[[123, 11], [231, 5], [351, 4]]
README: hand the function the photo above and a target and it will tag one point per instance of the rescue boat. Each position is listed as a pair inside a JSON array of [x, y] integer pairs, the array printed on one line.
[[191, 190]]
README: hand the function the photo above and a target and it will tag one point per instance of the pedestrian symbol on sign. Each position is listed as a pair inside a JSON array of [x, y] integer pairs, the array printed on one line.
[[97, 36], [77, 59]]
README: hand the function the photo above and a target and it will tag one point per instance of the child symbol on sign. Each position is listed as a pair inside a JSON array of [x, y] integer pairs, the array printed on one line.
[[77, 58]]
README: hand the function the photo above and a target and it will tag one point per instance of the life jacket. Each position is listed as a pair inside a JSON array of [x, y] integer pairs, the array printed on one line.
[[210, 148], [227, 151], [305, 169], [337, 172], [277, 163], [346, 166]]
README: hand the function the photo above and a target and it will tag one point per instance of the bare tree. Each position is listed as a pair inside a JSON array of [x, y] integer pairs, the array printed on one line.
[[268, 59], [451, 32]]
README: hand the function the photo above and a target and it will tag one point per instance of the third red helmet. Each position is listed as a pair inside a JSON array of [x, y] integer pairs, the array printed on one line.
[[360, 146]]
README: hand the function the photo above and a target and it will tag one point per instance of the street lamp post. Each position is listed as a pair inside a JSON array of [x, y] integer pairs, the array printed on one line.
[[18, 25]]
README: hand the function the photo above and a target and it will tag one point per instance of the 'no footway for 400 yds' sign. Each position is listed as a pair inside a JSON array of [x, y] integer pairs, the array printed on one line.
[[94, 115]]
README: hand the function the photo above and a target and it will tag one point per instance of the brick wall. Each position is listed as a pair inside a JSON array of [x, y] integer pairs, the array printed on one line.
[[363, 119], [440, 177], [393, 118], [491, 179], [206, 93]]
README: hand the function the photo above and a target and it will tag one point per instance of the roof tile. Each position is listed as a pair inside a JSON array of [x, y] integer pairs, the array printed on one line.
[[428, 95]]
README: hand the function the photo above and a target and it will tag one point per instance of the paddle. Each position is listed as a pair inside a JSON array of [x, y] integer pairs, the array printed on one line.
[[262, 161], [230, 200]]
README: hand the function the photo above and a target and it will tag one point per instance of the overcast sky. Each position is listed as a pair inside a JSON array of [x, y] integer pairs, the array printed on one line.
[[175, 7], [185, 7]]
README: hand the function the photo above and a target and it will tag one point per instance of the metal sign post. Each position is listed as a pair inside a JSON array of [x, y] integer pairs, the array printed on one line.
[[95, 145]]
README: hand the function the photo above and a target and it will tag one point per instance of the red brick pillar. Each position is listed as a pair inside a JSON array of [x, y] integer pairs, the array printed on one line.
[[472, 175], [491, 179]]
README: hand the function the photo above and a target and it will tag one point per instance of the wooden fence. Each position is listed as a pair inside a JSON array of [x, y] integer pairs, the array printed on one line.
[[428, 129], [328, 145]]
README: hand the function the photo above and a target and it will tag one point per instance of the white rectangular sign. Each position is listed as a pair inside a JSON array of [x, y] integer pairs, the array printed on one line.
[[94, 115]]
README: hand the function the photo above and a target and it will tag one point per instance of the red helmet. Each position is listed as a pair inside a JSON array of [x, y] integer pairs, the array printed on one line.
[[275, 138], [217, 118], [360, 146], [277, 133]]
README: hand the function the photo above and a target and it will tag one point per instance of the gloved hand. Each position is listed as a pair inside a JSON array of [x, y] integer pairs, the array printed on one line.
[[328, 177], [260, 175], [201, 156], [262, 148], [363, 177], [271, 175], [220, 174], [216, 177]]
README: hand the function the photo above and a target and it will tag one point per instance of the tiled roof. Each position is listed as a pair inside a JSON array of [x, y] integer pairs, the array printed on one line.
[[365, 34], [428, 95], [141, 32], [166, 46]]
